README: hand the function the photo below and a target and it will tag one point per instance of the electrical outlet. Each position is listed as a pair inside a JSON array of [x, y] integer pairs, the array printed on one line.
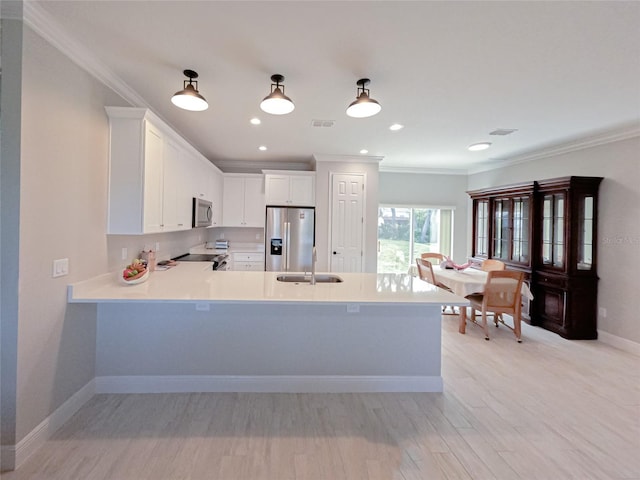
[[157, 246], [60, 267], [257, 236], [125, 253], [222, 235], [603, 312], [353, 308]]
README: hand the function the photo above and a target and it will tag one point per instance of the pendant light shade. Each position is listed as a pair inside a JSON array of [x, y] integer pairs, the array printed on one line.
[[189, 98], [277, 103], [364, 106]]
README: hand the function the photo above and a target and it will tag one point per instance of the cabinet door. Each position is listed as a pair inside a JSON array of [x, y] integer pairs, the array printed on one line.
[[520, 231], [254, 206], [233, 203], [277, 189], [501, 228], [553, 230], [481, 229], [217, 197], [153, 179], [302, 190], [170, 187]]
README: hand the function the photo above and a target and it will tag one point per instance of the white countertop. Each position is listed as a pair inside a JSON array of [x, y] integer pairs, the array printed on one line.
[[190, 282]]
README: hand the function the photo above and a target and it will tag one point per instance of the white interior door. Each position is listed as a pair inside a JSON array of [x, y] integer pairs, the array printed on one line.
[[347, 222]]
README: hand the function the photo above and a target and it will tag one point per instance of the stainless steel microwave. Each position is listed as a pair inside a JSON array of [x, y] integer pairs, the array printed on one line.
[[202, 213]]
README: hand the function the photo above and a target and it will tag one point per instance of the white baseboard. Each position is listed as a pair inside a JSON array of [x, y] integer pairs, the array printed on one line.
[[619, 342], [267, 383], [15, 455]]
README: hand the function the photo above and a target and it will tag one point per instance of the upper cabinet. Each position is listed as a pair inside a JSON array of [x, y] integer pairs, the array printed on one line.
[[284, 188], [153, 175], [547, 229], [243, 203]]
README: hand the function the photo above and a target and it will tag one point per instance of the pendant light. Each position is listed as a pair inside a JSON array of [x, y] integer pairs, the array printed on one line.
[[277, 103], [189, 98], [364, 106]]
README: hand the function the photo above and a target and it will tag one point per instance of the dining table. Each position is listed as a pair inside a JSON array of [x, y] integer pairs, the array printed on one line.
[[466, 282]]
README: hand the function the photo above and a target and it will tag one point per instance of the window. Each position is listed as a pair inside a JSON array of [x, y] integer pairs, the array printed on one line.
[[404, 233]]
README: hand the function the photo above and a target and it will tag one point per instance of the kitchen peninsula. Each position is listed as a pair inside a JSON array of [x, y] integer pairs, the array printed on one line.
[[192, 329]]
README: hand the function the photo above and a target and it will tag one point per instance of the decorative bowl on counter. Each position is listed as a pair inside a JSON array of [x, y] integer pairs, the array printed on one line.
[[136, 272], [139, 278]]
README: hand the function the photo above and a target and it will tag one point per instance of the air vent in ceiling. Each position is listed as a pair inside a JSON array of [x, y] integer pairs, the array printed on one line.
[[503, 131], [322, 123]]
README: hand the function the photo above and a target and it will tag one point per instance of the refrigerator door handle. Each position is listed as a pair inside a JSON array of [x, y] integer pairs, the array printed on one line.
[[287, 236]]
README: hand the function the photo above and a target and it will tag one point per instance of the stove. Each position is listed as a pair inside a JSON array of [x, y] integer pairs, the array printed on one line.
[[219, 260]]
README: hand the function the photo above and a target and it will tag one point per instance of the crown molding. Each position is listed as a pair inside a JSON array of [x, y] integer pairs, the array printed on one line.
[[420, 170], [45, 26], [348, 158], [625, 132]]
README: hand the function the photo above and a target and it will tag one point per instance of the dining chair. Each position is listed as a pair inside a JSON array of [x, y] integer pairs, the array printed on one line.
[[502, 294], [491, 265], [433, 257], [425, 272]]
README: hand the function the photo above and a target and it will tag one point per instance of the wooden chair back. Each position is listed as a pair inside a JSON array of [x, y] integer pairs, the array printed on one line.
[[502, 294], [425, 271], [433, 257], [492, 265]]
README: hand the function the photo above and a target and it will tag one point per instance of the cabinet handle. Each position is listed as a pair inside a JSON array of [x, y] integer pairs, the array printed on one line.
[[180, 224]]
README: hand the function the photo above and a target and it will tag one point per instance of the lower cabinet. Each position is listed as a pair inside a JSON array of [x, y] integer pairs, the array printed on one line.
[[248, 262], [566, 305]]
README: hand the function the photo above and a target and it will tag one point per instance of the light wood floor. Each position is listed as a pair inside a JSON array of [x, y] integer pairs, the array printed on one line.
[[546, 409]]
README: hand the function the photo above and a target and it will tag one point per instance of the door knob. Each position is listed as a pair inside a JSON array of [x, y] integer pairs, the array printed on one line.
[[335, 253]]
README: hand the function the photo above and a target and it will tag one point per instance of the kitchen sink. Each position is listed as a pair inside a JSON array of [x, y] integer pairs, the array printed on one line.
[[297, 278]]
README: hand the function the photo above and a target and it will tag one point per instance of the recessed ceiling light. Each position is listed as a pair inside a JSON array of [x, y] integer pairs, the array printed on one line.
[[476, 147], [255, 121], [262, 148], [364, 151], [395, 127]]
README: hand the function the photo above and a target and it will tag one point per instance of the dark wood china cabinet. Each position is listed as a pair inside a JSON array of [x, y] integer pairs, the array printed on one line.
[[547, 229]]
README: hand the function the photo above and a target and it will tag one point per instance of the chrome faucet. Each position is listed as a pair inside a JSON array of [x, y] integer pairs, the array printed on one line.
[[314, 259]]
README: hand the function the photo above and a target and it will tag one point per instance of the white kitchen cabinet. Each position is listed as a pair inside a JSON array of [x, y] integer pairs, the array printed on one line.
[[290, 188], [243, 201], [217, 182], [176, 204], [153, 174], [248, 261]]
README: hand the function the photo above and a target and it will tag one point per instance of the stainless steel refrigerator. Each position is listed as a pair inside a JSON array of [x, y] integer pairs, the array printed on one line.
[[289, 238]]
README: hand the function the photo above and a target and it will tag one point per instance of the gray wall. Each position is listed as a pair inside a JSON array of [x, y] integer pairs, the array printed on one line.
[[9, 219], [433, 191], [618, 220], [63, 184]]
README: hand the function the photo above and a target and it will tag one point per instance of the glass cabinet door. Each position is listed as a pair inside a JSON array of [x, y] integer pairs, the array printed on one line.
[[553, 230], [520, 232], [585, 232], [482, 228], [501, 229]]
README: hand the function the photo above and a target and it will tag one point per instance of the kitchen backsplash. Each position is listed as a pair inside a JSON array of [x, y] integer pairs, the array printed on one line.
[[174, 243], [237, 235]]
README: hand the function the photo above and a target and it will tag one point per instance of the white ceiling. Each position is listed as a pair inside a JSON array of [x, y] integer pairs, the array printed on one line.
[[451, 72]]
